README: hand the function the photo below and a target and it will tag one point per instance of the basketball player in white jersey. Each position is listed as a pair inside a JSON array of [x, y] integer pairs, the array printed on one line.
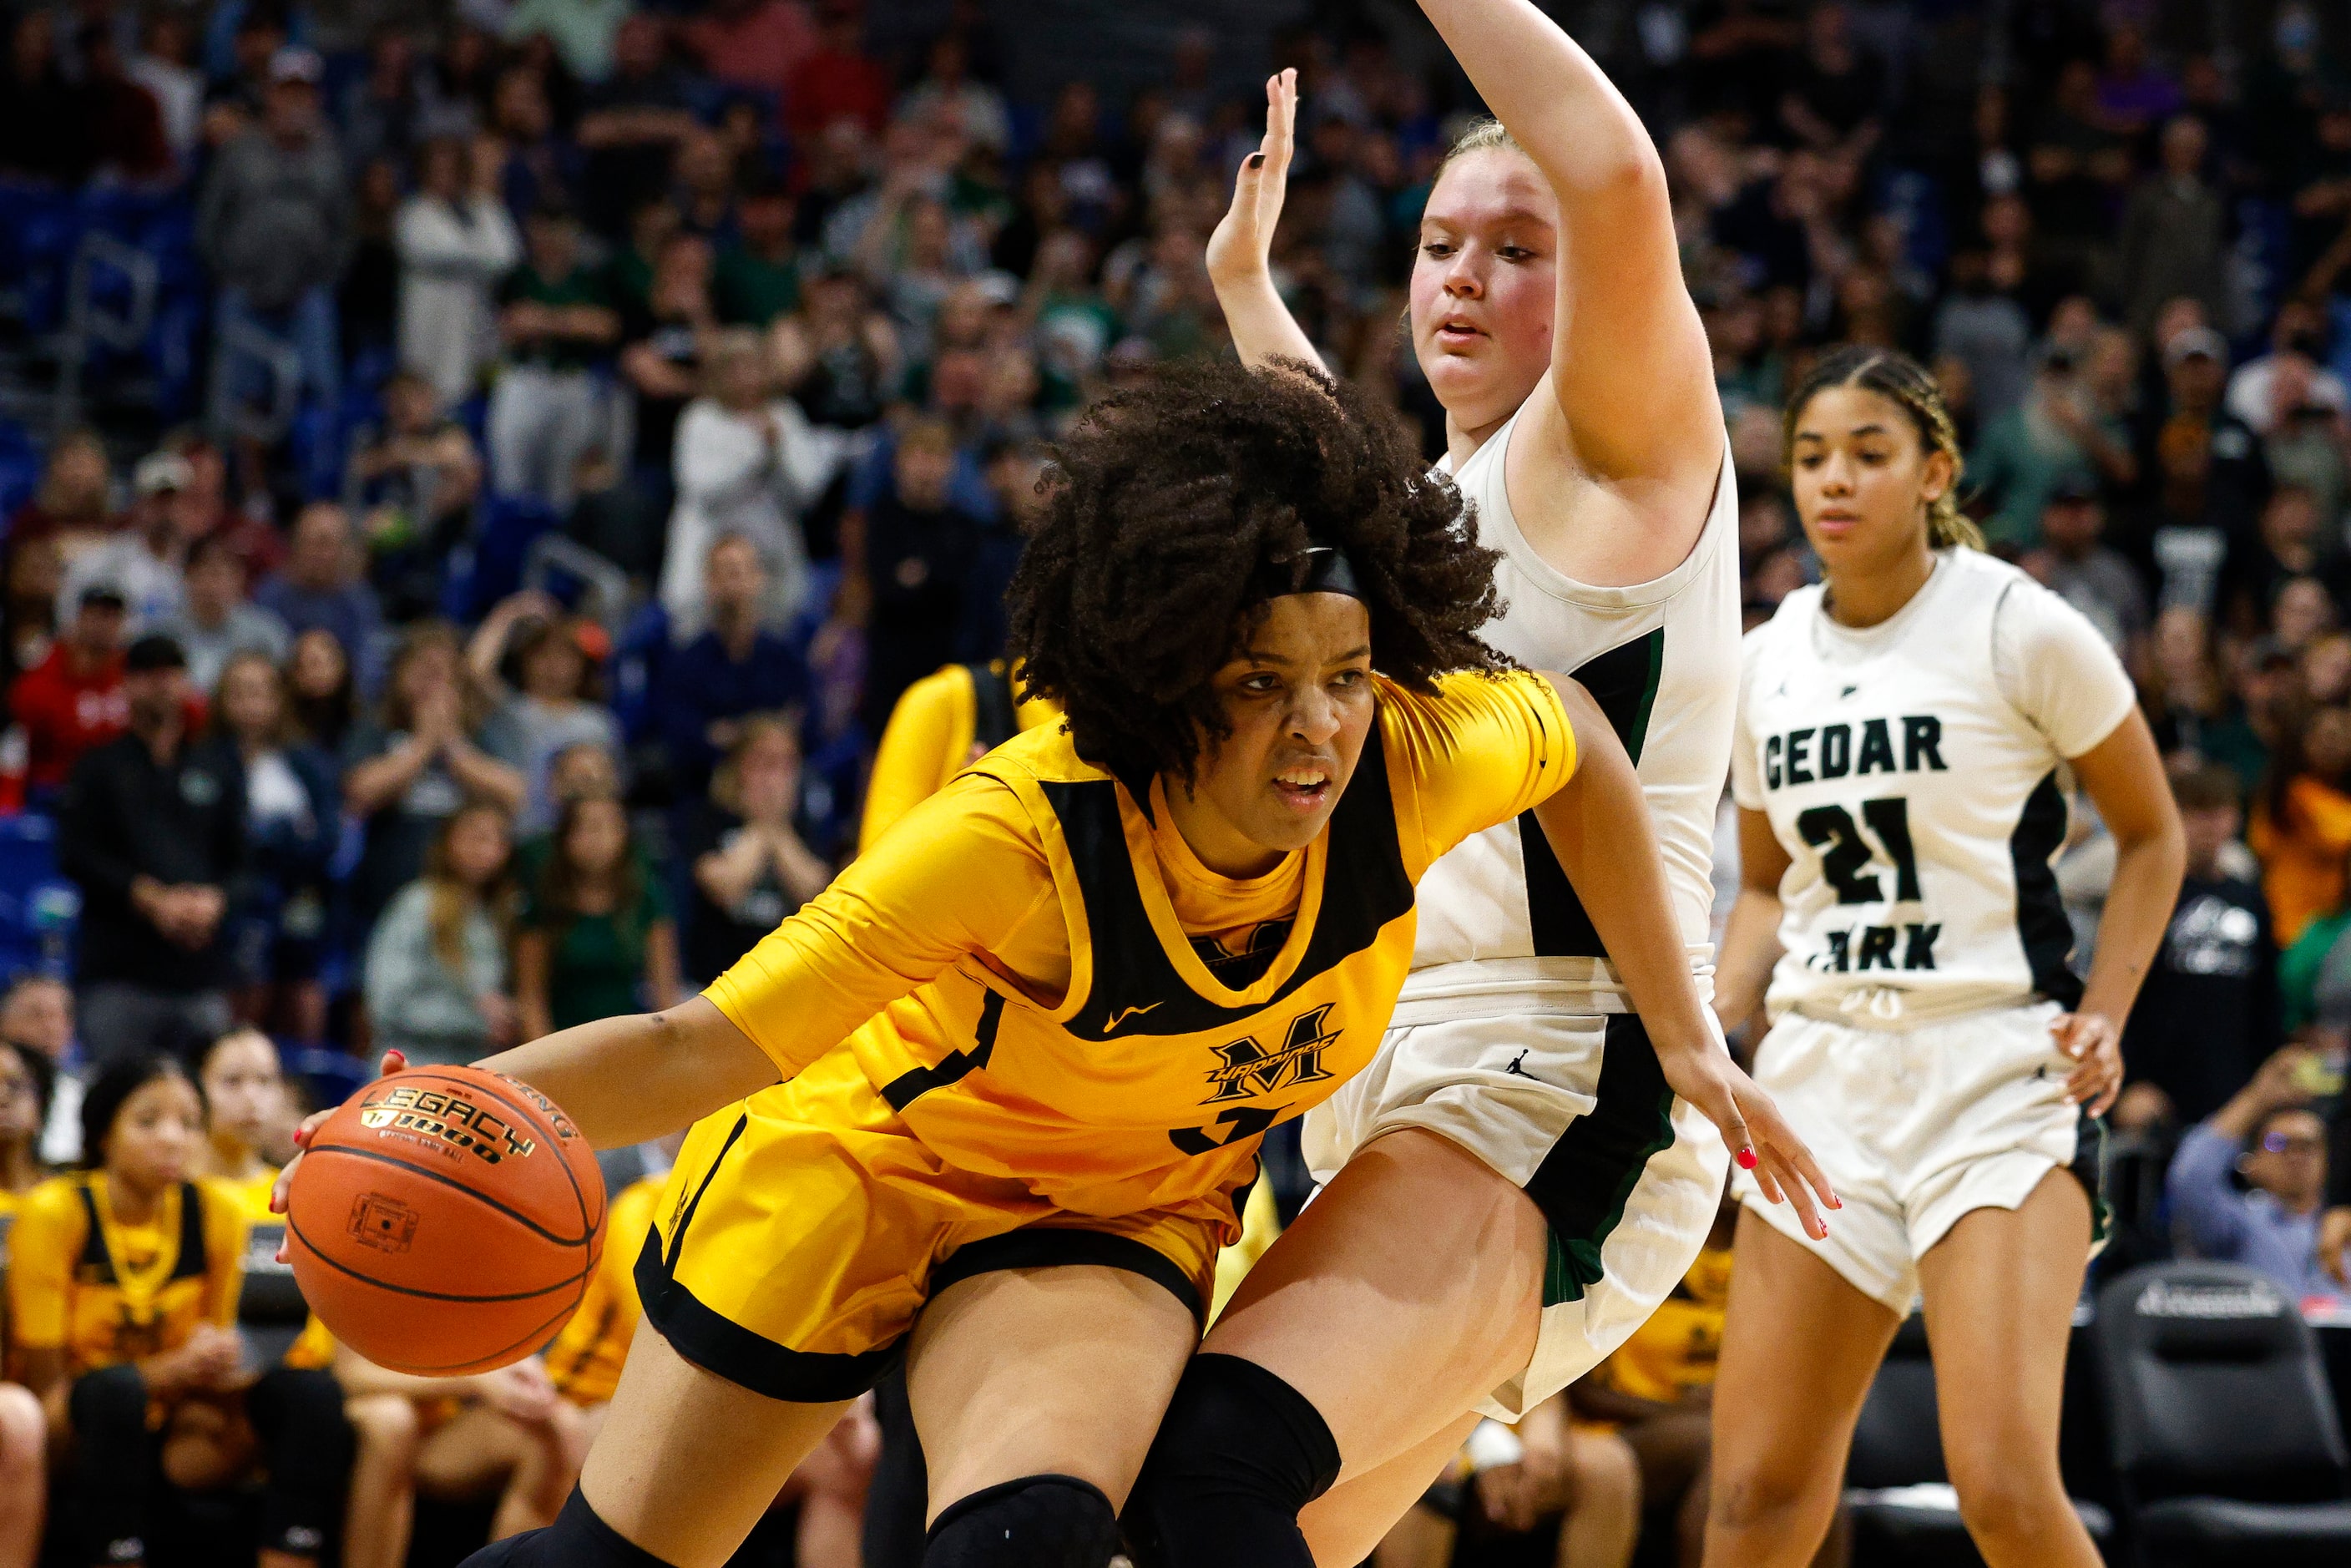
[[1511, 1188], [1905, 736]]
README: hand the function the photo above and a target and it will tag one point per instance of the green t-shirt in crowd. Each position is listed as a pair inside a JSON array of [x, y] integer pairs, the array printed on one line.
[[581, 286], [596, 967], [749, 290]]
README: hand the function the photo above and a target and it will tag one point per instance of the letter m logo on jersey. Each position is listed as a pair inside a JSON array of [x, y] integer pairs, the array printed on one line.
[[1246, 1068]]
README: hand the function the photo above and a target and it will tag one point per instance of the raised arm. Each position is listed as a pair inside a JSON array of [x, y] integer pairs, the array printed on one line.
[[1631, 378], [1241, 252]]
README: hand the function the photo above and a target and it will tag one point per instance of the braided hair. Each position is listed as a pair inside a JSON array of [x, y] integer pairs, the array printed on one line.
[[1908, 384]]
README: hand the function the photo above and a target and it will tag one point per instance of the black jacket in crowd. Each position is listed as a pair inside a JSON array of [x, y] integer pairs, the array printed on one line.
[[123, 816]]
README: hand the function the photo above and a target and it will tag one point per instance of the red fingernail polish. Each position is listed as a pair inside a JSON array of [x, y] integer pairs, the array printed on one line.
[[1747, 1159]]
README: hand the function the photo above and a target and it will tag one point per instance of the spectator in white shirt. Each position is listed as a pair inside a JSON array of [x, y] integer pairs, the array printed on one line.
[[2299, 334], [747, 463], [455, 242], [218, 622]]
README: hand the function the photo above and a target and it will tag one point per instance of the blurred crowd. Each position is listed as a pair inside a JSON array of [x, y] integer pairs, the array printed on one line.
[[476, 610]]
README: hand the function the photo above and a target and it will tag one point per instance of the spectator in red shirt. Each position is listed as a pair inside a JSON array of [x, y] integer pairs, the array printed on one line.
[[72, 700], [754, 43], [838, 81]]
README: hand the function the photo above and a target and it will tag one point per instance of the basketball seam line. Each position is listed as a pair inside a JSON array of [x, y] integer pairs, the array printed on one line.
[[450, 1181], [537, 1339], [579, 1194], [340, 1268]]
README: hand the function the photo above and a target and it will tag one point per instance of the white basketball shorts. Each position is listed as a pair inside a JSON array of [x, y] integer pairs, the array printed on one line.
[[1916, 1127], [1574, 1109]]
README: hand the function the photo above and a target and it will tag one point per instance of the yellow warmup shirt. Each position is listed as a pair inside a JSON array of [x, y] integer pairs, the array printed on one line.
[[1675, 1351], [252, 1195], [9, 1204], [1028, 1028], [934, 734], [585, 1359], [106, 1292]]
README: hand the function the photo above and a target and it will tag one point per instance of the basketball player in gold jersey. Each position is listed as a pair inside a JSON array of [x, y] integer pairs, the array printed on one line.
[[985, 1104]]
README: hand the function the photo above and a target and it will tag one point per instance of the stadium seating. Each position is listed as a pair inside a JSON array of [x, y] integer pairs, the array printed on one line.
[[39, 907], [1898, 1492], [2225, 1439], [270, 1311]]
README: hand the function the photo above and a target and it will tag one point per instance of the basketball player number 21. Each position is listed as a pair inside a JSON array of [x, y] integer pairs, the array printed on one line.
[[1845, 853]]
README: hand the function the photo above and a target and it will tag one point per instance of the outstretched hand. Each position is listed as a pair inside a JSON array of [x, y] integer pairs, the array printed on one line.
[[393, 1061], [1757, 1135], [1242, 244]]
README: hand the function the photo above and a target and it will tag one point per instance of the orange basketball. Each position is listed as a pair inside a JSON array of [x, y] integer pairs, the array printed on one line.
[[446, 1220]]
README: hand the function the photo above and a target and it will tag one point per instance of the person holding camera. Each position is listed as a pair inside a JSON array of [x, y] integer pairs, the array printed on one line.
[[2268, 1135]]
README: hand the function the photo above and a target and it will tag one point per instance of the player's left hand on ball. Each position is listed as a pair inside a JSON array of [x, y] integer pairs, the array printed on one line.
[[1758, 1136], [392, 1062], [2092, 1041]]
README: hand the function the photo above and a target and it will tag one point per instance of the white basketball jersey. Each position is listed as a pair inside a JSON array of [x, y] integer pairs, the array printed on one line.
[[1497, 919], [1921, 807]]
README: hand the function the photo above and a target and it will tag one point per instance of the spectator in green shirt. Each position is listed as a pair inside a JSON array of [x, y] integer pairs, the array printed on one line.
[[759, 277], [549, 408], [598, 938]]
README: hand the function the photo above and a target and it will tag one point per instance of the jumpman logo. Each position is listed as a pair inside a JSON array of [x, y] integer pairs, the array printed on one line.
[[1516, 1066]]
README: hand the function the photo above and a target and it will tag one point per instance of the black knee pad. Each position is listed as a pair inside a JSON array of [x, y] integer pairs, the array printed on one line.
[[577, 1538], [1037, 1521], [1239, 1453], [113, 1399]]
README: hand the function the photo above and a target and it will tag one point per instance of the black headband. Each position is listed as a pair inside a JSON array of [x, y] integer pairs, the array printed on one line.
[[1318, 568]]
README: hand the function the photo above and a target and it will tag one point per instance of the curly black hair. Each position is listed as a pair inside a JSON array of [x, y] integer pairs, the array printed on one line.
[[1166, 503]]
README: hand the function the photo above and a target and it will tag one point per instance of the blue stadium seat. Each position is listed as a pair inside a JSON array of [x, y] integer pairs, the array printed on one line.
[[488, 567], [637, 656], [330, 1077], [39, 907]]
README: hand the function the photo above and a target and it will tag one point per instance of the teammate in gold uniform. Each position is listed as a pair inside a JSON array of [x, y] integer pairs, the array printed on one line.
[[1027, 1045], [124, 1280], [942, 723], [26, 1076], [244, 1093]]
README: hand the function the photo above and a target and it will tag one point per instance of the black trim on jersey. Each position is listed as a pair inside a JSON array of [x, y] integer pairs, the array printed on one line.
[[685, 1216], [1137, 990], [916, 1081], [993, 720], [720, 1345], [1624, 682], [2041, 923], [2089, 1168], [1061, 1247], [1584, 1184], [190, 1264]]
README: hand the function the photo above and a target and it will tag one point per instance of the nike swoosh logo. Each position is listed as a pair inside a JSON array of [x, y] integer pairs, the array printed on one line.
[[1124, 1014]]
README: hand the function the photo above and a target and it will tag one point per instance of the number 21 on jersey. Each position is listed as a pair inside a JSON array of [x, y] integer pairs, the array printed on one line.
[[1847, 856]]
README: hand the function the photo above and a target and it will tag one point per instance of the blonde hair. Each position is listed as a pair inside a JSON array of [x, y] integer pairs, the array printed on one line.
[[1908, 384], [1483, 134]]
